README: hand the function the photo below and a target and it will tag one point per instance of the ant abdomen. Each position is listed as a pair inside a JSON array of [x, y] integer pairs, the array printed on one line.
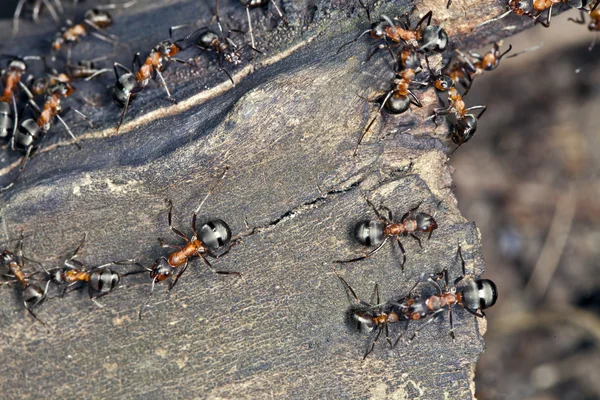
[[7, 122], [397, 104], [369, 233], [434, 39], [480, 294], [33, 295], [207, 38], [464, 129], [359, 319], [104, 280], [215, 234]]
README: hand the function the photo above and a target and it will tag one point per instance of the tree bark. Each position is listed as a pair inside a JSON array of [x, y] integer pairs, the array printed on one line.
[[288, 131]]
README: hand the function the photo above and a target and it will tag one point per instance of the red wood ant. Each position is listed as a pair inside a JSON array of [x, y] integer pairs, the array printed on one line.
[[473, 295], [368, 317], [468, 68], [129, 84], [93, 19], [377, 232], [212, 236], [11, 75], [428, 38], [33, 295], [82, 70], [101, 280], [31, 131]]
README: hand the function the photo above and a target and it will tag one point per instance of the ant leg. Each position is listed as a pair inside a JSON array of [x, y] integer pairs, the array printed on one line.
[[426, 17], [250, 26], [403, 253], [449, 3], [353, 41], [381, 217], [178, 275], [23, 163], [125, 107], [363, 256], [168, 246], [164, 84], [51, 10], [211, 189], [482, 108], [215, 270], [451, 323], [429, 321], [414, 99], [283, 18], [16, 120], [147, 300], [173, 229], [402, 334], [376, 294], [35, 316], [387, 336], [580, 20], [68, 129], [417, 239], [369, 350], [16, 15], [349, 289], [462, 260], [387, 97], [482, 315]]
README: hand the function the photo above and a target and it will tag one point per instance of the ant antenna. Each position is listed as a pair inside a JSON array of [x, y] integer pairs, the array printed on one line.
[[489, 21], [212, 188]]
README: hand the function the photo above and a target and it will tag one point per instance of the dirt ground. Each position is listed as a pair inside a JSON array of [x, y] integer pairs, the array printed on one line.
[[529, 179]]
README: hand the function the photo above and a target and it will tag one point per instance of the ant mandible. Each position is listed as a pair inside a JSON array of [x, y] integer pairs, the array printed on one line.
[[33, 295], [212, 236], [368, 317], [377, 232], [473, 295]]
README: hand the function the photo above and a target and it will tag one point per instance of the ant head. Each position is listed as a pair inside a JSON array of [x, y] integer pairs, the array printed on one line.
[[17, 65], [161, 269], [215, 234], [426, 223], [166, 48], [397, 104], [33, 295], [378, 29], [369, 233], [61, 89], [122, 91], [207, 39], [521, 7], [480, 294], [100, 18], [104, 280], [464, 129], [435, 39], [443, 83], [7, 257]]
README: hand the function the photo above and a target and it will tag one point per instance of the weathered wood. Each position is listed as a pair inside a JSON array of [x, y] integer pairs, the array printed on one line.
[[288, 132]]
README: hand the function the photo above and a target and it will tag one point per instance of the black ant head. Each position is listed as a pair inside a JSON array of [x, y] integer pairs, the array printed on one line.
[[166, 48], [215, 234], [397, 104], [61, 89], [123, 89], [443, 83], [104, 280], [28, 133], [207, 39], [16, 65], [161, 270], [7, 257], [100, 18], [521, 7], [464, 129], [33, 295], [378, 29], [426, 223], [369, 233], [435, 39], [479, 294]]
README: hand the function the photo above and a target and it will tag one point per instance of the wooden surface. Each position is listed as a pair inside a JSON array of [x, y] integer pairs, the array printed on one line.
[[288, 132]]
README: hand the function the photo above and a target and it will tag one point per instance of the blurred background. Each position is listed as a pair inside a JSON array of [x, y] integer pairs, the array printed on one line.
[[529, 179]]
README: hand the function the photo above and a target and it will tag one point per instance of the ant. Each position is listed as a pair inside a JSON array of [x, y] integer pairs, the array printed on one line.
[[16, 67], [94, 18], [367, 317], [254, 4], [212, 236], [535, 8], [33, 295], [473, 295], [428, 38], [401, 96], [465, 125], [465, 71], [31, 131], [377, 232], [594, 25], [100, 280], [129, 84]]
